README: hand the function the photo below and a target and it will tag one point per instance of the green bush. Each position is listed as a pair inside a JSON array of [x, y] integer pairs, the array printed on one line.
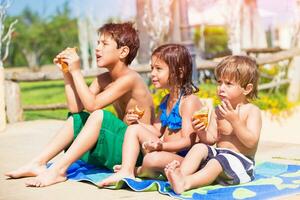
[[216, 40], [43, 93]]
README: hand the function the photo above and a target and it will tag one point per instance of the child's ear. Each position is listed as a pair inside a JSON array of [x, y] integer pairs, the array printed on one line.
[[180, 72], [248, 89], [124, 52]]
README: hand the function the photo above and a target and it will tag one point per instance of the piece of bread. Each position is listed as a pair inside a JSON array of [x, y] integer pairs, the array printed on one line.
[[202, 115], [64, 65], [140, 112]]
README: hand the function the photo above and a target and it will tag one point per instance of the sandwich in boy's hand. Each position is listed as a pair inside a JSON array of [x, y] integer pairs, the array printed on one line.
[[202, 115], [64, 65]]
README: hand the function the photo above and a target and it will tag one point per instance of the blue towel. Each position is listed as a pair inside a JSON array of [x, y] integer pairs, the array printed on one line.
[[272, 180]]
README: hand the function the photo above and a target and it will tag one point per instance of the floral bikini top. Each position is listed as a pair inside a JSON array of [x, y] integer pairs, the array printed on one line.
[[173, 121]]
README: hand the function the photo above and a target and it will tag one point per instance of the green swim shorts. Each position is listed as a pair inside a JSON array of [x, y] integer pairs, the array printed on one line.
[[107, 152]]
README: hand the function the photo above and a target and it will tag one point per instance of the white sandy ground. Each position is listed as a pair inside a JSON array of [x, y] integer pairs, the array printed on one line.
[[280, 142]]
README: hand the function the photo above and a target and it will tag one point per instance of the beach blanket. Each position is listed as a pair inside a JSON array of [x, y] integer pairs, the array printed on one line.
[[272, 180]]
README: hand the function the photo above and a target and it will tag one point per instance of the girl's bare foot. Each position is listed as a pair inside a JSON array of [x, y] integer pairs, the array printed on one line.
[[118, 168], [31, 169], [175, 178], [48, 177], [116, 177]]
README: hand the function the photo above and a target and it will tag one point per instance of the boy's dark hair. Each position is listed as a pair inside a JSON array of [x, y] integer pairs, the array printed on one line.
[[180, 64], [125, 35], [242, 70]]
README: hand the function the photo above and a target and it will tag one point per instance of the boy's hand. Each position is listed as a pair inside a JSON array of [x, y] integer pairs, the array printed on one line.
[[152, 146], [198, 125], [227, 111], [131, 117], [58, 61], [70, 57]]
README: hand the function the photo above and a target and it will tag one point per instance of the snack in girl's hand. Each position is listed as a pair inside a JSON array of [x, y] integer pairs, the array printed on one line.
[[140, 112], [64, 65], [202, 115]]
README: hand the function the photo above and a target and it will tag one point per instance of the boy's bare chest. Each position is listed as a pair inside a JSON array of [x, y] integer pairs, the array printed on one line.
[[224, 127], [122, 105]]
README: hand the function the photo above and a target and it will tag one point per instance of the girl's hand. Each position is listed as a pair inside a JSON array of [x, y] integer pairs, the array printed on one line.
[[227, 112], [198, 125], [131, 117], [152, 146]]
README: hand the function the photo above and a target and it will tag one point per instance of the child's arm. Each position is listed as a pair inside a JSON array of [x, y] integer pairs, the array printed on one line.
[[113, 92], [188, 106], [90, 100], [155, 127], [248, 131], [73, 101]]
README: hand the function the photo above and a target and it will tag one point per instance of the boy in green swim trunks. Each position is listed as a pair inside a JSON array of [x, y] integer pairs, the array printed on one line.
[[100, 132]]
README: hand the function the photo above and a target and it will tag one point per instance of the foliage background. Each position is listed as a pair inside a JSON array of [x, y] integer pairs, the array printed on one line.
[[40, 38]]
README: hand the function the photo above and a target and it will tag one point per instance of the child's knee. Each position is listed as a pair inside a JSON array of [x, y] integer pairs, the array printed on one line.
[[201, 148], [96, 115], [133, 129], [152, 159]]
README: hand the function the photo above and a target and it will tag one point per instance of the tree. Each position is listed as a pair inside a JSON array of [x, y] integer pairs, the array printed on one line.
[[233, 20], [144, 50], [61, 32], [5, 39], [40, 40], [30, 37], [157, 20], [294, 71]]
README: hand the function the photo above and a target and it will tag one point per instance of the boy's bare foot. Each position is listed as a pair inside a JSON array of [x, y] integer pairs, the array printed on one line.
[[31, 169], [48, 177], [175, 177], [116, 177]]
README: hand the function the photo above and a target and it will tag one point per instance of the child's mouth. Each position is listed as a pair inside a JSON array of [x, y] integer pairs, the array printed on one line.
[[154, 81], [222, 97]]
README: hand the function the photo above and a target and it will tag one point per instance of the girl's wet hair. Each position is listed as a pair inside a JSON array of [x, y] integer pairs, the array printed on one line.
[[179, 61], [240, 69]]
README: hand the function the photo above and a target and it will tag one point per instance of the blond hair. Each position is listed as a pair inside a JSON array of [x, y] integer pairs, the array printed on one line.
[[240, 69]]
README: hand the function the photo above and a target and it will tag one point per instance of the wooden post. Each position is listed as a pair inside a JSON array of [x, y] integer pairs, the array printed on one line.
[[5, 39], [184, 19], [144, 50], [294, 87], [175, 24], [2, 101], [14, 111]]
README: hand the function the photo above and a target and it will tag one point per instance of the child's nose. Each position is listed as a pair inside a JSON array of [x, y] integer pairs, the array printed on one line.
[[99, 46], [222, 86], [152, 73]]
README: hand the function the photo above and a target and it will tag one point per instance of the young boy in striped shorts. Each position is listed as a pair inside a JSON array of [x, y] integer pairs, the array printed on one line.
[[235, 124]]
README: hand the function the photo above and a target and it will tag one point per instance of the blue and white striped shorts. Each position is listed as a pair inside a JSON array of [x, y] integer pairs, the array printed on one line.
[[237, 168]]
